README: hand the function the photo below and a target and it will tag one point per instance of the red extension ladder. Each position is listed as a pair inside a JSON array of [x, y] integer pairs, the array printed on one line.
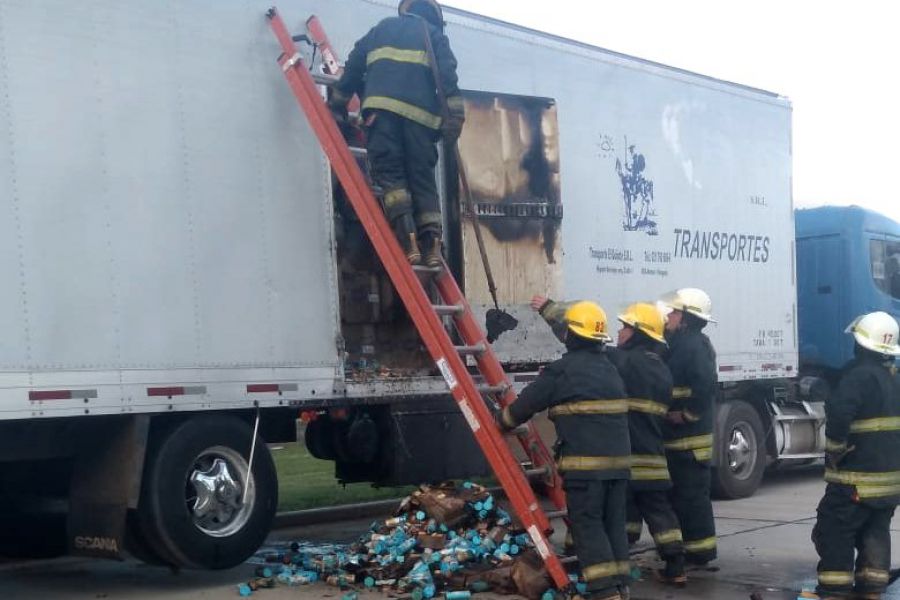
[[427, 316]]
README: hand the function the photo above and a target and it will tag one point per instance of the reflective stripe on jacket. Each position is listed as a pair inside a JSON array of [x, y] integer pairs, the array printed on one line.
[[388, 68], [692, 362], [649, 387], [863, 418], [586, 400]]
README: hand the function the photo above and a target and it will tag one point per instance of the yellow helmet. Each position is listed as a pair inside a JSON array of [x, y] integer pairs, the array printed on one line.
[[646, 318], [587, 320]]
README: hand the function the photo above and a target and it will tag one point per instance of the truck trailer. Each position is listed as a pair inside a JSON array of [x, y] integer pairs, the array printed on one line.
[[183, 277]]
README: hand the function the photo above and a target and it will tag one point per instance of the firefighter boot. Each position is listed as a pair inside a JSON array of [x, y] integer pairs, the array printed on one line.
[[405, 230], [673, 573], [431, 241]]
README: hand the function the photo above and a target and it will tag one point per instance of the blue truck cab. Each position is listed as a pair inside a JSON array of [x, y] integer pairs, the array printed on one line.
[[848, 263]]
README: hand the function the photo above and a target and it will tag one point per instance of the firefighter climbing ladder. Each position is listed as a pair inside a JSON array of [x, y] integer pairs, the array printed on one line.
[[531, 442], [427, 318]]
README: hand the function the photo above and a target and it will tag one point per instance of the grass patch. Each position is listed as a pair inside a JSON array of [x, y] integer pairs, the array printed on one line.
[[306, 482]]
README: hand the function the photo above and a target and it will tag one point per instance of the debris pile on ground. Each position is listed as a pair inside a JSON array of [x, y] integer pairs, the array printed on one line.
[[446, 539]]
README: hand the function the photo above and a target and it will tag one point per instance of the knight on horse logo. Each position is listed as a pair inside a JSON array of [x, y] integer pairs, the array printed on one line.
[[637, 193]]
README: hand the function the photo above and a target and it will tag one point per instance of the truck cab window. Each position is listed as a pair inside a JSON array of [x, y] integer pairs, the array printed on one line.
[[885, 259]]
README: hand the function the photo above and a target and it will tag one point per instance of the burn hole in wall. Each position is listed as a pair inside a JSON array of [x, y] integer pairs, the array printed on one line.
[[510, 150]]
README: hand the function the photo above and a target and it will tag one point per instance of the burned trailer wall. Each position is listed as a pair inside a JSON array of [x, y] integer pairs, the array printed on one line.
[[510, 154]]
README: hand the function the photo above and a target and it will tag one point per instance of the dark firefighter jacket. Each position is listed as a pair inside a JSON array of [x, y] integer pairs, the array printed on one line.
[[648, 385], [389, 69], [864, 414], [586, 401], [692, 362]]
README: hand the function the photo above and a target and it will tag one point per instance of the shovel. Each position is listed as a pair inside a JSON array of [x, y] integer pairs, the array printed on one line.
[[496, 321]]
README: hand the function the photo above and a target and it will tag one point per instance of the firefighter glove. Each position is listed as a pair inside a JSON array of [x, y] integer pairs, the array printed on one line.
[[505, 420], [337, 103]]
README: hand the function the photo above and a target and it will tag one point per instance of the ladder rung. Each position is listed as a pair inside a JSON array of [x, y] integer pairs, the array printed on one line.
[[448, 309], [323, 79], [557, 514], [568, 560], [426, 270], [493, 389], [537, 472], [476, 349], [359, 152]]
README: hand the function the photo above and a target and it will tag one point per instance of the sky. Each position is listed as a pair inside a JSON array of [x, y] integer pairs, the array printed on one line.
[[836, 61]]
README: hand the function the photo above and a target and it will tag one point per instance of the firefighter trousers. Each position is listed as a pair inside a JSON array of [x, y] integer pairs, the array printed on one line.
[[690, 497], [402, 155], [845, 527], [653, 506], [597, 523]]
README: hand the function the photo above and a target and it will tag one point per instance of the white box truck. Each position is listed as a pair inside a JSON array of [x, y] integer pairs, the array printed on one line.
[[178, 267]]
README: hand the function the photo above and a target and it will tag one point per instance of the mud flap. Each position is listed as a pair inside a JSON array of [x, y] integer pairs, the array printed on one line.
[[106, 482]]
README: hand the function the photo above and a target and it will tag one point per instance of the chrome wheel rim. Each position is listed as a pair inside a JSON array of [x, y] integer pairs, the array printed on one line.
[[742, 450], [214, 491]]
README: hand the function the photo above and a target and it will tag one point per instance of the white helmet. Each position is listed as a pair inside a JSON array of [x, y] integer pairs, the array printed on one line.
[[876, 331], [690, 300]]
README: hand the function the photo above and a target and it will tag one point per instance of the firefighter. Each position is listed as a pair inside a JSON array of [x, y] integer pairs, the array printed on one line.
[[641, 343], [586, 401], [688, 432], [392, 69], [862, 466]]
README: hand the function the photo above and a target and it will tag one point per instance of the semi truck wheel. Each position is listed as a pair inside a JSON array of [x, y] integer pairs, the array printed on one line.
[[191, 512], [741, 451]]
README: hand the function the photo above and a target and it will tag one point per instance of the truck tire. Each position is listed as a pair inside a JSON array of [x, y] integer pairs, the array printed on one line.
[[741, 451], [190, 512]]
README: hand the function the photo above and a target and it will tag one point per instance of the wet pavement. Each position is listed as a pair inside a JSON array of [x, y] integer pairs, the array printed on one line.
[[764, 547]]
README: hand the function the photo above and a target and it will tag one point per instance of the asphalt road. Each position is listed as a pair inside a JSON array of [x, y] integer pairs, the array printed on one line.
[[764, 547]]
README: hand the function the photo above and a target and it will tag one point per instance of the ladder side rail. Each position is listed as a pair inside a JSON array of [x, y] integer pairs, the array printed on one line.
[[494, 374], [329, 56], [413, 295]]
